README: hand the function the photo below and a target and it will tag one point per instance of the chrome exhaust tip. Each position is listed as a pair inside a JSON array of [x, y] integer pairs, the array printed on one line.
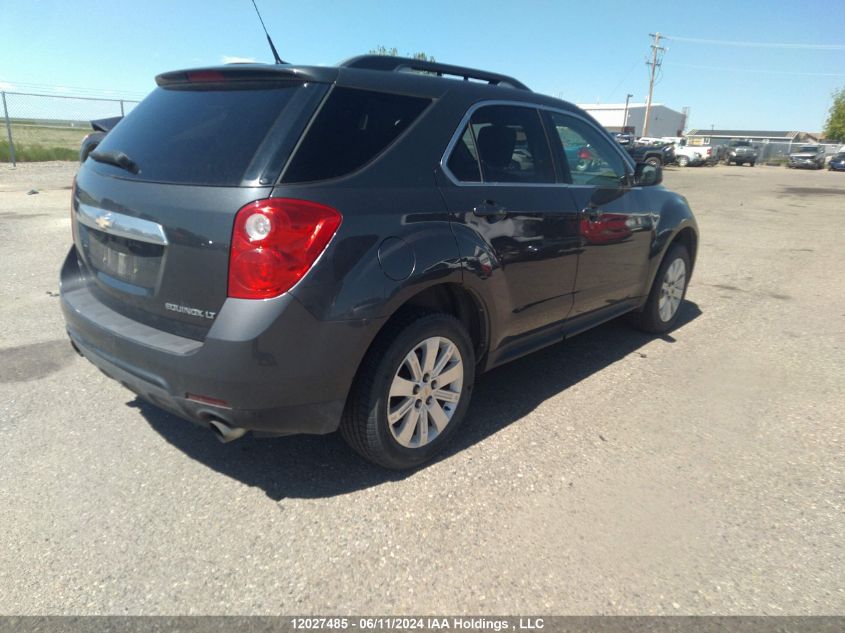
[[225, 432]]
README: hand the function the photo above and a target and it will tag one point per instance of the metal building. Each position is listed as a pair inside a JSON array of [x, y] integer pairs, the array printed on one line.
[[663, 121]]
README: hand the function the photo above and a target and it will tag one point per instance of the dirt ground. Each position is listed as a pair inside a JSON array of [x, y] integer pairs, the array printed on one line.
[[616, 473]]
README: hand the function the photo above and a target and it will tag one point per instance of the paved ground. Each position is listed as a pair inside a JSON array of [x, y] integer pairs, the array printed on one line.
[[697, 473]]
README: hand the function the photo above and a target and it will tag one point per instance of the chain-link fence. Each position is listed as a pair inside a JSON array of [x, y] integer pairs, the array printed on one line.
[[777, 152], [770, 151], [51, 127]]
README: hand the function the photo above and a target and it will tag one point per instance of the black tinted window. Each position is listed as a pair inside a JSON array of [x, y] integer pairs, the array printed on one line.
[[463, 161], [512, 145], [350, 130], [191, 136]]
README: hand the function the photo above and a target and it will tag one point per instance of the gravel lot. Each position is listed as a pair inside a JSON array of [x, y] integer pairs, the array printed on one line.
[[697, 473]]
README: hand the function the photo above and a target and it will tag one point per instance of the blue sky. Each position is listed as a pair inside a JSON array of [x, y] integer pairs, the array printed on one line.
[[580, 51]]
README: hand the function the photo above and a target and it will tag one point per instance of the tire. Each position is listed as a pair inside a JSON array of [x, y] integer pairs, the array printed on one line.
[[386, 368], [751, 164], [654, 317], [653, 161], [683, 161]]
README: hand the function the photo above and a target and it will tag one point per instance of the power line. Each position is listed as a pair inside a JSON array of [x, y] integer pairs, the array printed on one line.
[[756, 71], [816, 47], [624, 77]]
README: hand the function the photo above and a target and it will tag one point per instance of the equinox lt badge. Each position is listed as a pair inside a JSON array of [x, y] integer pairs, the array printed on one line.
[[205, 314]]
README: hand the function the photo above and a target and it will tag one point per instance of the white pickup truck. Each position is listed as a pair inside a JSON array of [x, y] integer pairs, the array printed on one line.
[[693, 155]]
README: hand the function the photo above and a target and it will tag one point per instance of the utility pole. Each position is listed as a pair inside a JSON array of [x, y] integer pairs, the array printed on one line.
[[625, 116], [656, 60]]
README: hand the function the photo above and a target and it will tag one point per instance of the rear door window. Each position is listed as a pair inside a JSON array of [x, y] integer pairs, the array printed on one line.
[[187, 135], [512, 145], [352, 128]]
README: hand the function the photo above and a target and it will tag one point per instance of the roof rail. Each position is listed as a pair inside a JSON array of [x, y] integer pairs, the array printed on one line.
[[398, 64]]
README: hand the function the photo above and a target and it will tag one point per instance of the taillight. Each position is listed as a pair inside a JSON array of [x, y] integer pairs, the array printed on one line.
[[205, 75], [275, 242]]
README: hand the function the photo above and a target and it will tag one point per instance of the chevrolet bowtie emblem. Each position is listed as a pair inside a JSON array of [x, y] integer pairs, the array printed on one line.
[[105, 220]]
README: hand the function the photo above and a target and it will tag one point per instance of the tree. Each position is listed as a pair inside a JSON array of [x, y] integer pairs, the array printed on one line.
[[834, 129], [394, 52]]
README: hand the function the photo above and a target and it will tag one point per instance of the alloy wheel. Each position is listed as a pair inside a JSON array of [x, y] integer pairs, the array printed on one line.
[[425, 392], [672, 290]]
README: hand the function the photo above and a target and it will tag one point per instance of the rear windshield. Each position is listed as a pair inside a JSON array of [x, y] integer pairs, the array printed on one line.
[[197, 136], [352, 128]]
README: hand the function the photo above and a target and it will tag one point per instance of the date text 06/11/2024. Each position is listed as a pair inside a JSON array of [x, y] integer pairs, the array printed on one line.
[[417, 623]]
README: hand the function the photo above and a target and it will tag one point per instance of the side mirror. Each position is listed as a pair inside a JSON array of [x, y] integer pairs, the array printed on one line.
[[646, 175]]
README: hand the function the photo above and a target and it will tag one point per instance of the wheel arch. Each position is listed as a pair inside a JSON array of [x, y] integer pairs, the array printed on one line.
[[448, 297], [688, 238], [677, 225], [458, 301]]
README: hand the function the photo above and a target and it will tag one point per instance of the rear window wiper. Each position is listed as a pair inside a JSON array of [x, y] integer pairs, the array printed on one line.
[[118, 159]]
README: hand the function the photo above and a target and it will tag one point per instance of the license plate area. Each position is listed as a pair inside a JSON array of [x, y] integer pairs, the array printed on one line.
[[130, 261]]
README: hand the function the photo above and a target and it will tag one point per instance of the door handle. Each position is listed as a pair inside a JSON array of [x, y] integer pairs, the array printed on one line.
[[489, 209]]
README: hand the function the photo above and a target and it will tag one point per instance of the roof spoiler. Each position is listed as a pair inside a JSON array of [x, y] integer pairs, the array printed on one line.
[[105, 125], [240, 72], [399, 64]]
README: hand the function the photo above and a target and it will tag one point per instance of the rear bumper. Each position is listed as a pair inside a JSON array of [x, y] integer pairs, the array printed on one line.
[[803, 162], [279, 370]]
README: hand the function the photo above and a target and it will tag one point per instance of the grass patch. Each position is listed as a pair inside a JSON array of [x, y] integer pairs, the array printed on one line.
[[35, 142], [47, 135], [36, 153]]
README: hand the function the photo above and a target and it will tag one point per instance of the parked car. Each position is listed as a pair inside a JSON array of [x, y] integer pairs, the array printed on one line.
[[740, 153], [837, 162], [654, 155], [650, 140], [624, 139], [231, 265], [810, 156], [693, 155], [524, 158]]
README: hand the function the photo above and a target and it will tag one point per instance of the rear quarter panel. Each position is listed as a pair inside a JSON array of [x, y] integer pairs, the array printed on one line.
[[390, 245]]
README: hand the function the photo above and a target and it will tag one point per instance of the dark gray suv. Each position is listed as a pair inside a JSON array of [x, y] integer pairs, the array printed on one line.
[[292, 249]]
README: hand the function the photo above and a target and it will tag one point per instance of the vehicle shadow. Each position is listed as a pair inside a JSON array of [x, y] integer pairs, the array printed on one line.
[[323, 466]]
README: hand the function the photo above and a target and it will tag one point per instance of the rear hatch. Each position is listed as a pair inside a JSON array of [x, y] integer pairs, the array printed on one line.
[[154, 205]]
